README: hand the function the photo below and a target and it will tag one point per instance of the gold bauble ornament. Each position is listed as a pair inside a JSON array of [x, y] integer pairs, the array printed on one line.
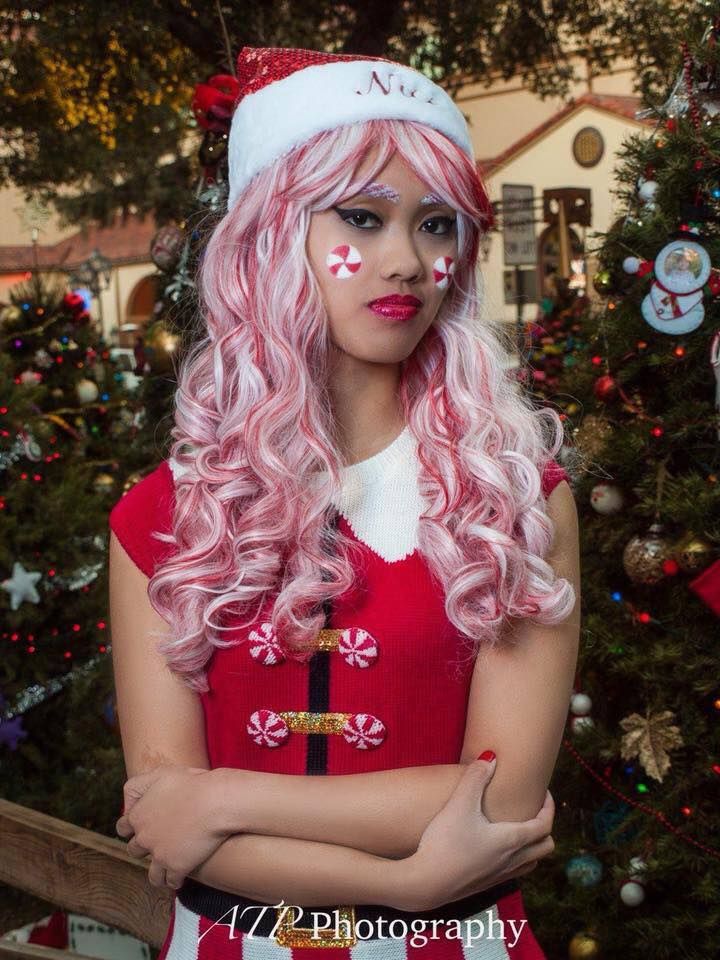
[[104, 483], [693, 553], [43, 428], [592, 436], [131, 480], [10, 315], [602, 281], [163, 343], [645, 554], [582, 946]]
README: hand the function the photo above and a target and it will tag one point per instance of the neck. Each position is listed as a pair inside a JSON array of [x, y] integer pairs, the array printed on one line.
[[366, 405]]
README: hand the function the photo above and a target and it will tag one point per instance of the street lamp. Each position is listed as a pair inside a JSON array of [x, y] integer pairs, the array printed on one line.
[[94, 273], [485, 245]]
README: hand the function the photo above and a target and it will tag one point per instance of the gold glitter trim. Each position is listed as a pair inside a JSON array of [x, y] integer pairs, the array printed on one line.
[[328, 639], [301, 722], [288, 935]]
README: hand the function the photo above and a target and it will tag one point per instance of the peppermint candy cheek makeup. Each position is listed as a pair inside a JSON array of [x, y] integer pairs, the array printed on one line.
[[344, 261], [443, 269]]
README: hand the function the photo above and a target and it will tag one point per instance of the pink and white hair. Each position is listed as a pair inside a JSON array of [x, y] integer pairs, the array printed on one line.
[[255, 434]]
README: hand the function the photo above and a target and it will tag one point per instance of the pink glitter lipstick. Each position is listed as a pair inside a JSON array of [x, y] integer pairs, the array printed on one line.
[[396, 307]]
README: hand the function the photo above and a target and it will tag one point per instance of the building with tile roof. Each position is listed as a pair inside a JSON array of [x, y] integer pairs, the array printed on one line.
[[520, 141]]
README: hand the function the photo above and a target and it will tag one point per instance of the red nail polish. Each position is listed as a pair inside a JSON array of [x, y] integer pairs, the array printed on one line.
[[488, 755]]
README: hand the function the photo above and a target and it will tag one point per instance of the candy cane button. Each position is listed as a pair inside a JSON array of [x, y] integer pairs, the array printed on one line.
[[364, 731], [357, 647], [344, 261], [264, 646], [443, 269], [267, 728]]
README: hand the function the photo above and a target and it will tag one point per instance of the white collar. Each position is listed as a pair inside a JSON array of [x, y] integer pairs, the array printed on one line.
[[380, 498]]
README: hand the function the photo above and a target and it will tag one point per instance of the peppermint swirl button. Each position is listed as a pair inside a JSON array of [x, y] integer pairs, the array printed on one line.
[[267, 728], [264, 646], [357, 647], [364, 731]]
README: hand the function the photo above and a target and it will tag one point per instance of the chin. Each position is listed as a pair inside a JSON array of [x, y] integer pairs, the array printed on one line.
[[385, 357]]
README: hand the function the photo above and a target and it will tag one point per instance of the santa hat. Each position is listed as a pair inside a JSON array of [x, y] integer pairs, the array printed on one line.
[[287, 96]]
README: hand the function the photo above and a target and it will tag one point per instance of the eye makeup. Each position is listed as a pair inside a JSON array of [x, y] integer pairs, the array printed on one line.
[[431, 198], [348, 214], [381, 191]]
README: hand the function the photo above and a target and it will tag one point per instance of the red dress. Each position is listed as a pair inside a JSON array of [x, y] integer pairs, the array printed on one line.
[[388, 688]]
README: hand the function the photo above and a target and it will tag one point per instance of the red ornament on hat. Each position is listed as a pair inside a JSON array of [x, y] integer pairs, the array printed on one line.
[[213, 102]]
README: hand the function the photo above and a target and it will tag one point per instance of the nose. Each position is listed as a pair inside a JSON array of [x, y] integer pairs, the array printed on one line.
[[400, 259]]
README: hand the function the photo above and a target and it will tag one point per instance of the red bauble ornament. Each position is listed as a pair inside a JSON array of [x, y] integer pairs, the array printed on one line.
[[606, 388], [73, 302]]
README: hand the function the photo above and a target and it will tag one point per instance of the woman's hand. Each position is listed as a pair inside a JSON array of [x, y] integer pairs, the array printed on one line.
[[462, 852], [171, 814]]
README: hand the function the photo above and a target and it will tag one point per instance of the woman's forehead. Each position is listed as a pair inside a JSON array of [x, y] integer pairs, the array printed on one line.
[[394, 181]]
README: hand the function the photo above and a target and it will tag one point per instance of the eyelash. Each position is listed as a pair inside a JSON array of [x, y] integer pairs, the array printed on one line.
[[347, 215]]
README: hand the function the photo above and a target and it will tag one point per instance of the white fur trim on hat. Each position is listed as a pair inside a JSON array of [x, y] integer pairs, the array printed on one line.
[[284, 114]]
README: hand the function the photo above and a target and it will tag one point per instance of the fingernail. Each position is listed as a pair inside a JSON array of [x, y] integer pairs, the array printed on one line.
[[488, 755]]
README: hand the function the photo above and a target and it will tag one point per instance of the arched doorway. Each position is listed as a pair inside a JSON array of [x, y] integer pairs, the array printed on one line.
[[139, 310], [549, 262]]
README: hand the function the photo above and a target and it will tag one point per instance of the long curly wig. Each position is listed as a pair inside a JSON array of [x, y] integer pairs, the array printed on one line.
[[257, 442]]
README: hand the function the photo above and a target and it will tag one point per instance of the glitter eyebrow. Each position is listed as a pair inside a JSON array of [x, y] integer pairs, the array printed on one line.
[[432, 198], [381, 191]]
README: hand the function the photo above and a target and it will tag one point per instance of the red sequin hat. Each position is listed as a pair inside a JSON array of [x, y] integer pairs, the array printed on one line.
[[287, 96]]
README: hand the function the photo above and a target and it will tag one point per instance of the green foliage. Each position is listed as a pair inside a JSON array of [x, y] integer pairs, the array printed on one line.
[[667, 661], [57, 487]]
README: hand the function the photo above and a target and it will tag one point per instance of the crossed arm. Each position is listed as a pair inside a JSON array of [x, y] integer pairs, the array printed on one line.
[[355, 831]]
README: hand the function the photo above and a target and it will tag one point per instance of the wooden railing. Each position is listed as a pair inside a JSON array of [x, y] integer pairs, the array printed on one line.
[[79, 871]]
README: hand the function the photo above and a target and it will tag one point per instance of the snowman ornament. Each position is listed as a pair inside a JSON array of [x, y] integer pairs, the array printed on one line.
[[682, 269]]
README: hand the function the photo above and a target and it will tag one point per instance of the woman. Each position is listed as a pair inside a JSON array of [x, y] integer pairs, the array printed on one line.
[[360, 558]]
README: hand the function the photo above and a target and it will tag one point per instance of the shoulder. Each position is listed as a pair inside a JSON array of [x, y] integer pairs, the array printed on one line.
[[564, 554], [553, 474], [156, 486], [146, 509]]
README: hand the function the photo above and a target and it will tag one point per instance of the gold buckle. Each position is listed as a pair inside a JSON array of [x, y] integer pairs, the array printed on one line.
[[288, 935]]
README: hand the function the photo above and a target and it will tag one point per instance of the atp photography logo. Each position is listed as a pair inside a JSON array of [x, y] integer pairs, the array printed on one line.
[[481, 927]]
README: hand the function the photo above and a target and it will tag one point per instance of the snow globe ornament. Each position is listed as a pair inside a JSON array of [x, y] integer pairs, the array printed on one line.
[[606, 499], [646, 191], [584, 870], [674, 304]]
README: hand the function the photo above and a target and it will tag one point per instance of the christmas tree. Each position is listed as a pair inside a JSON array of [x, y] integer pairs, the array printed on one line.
[[552, 342], [68, 426], [636, 870]]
